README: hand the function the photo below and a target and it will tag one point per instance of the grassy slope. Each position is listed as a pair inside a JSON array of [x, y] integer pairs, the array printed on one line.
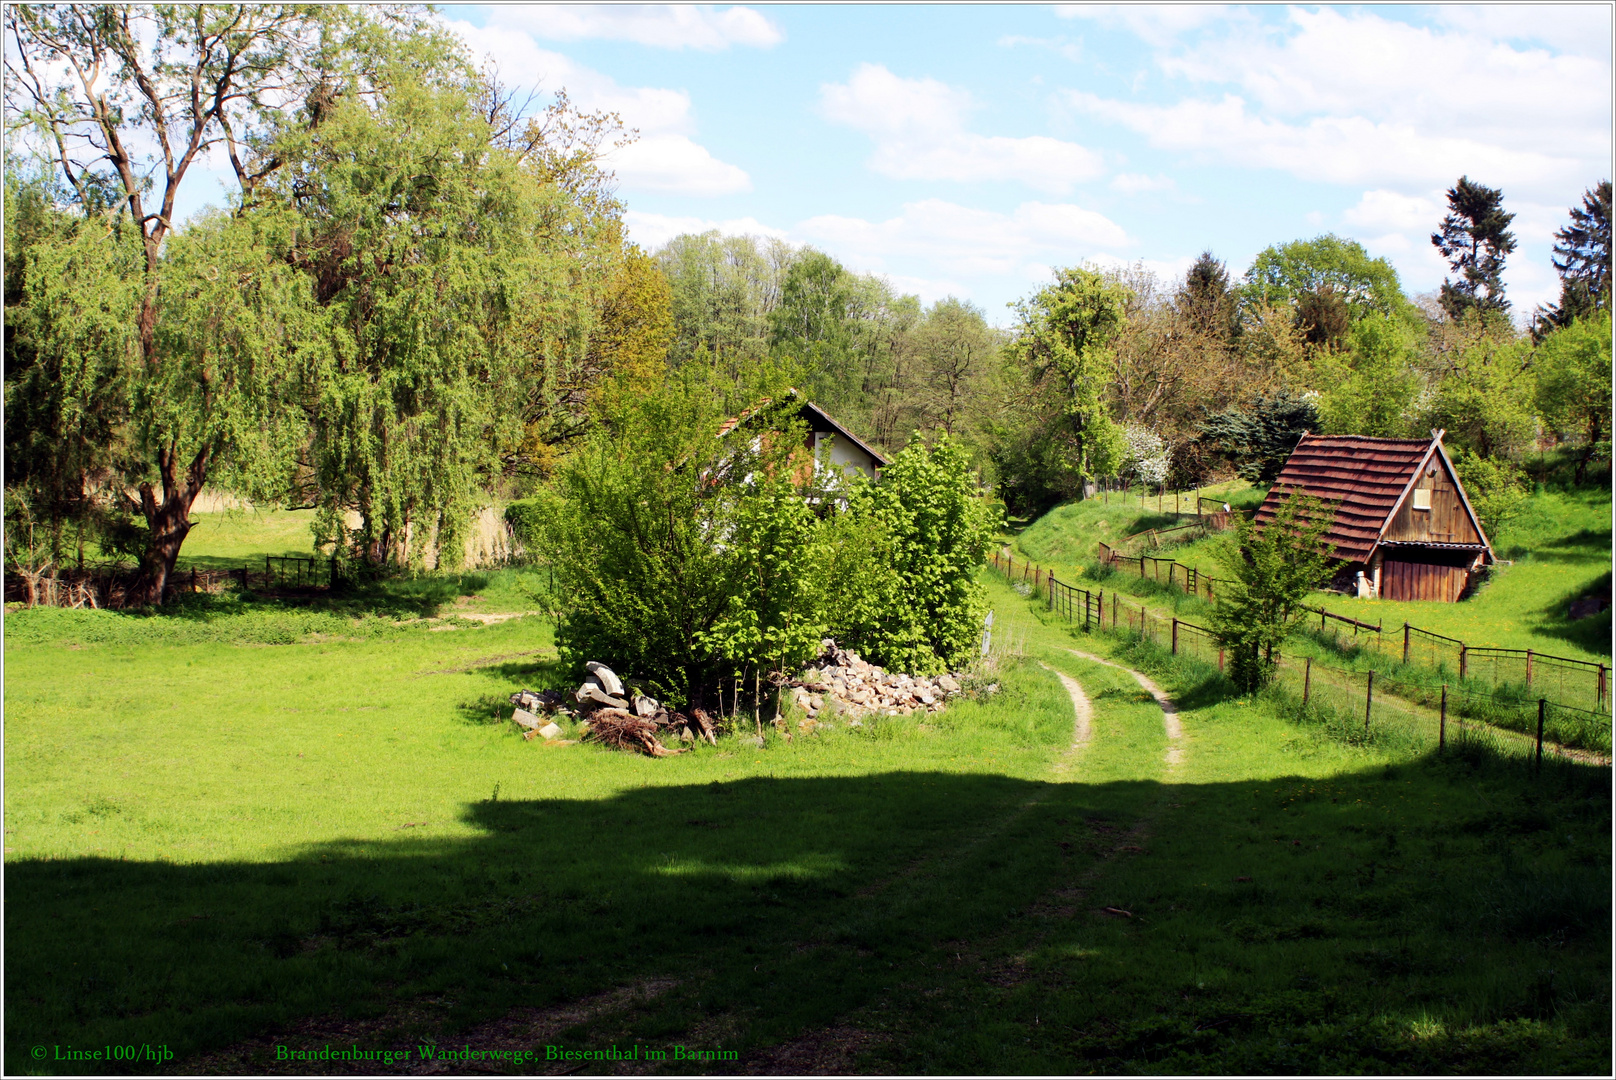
[[232, 538], [1561, 548], [209, 839]]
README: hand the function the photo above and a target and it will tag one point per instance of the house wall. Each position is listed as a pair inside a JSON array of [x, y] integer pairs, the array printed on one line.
[[844, 454], [1446, 522]]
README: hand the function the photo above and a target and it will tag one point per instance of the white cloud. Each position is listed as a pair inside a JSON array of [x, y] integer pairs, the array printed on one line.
[[1360, 64], [663, 26], [1135, 183], [967, 242], [1333, 149], [919, 131], [665, 159], [674, 163], [1071, 50], [1574, 28], [1156, 24], [651, 231], [1382, 209]]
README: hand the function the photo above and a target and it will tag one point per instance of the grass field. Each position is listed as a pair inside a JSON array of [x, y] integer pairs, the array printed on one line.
[[1559, 549], [225, 539], [238, 827]]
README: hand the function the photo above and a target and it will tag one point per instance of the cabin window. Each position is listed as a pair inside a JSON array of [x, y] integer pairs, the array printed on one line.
[[1422, 498]]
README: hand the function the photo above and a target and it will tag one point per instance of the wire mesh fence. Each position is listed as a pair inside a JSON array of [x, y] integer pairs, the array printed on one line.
[[1395, 702]]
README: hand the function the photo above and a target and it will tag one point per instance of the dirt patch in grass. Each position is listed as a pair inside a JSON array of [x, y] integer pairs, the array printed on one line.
[[829, 1051]]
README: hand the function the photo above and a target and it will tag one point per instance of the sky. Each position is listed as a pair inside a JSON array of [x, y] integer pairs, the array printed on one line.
[[967, 150]]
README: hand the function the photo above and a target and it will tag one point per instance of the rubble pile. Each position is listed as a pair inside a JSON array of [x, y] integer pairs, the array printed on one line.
[[838, 682], [841, 681], [611, 714]]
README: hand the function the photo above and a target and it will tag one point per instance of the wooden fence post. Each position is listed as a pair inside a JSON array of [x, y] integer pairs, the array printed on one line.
[[1405, 642], [1542, 703], [1175, 637], [1369, 700], [1113, 609], [1307, 680], [1528, 669], [1464, 658], [1442, 728], [1220, 659], [266, 571], [1603, 685]]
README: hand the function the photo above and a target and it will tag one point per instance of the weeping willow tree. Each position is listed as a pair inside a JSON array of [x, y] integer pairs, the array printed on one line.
[[448, 283], [407, 274]]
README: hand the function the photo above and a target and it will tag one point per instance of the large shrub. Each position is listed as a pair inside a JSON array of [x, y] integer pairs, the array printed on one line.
[[678, 555], [901, 587]]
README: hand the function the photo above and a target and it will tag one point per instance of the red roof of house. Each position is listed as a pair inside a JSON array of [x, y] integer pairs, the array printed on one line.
[[1364, 475]]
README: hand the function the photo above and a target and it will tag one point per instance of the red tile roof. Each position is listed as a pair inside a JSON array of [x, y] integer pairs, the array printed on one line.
[[1366, 476]]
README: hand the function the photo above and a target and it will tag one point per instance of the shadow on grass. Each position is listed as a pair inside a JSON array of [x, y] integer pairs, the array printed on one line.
[[782, 905]]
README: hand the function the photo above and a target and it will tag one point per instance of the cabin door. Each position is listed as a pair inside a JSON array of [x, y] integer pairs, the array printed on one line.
[[1421, 581]]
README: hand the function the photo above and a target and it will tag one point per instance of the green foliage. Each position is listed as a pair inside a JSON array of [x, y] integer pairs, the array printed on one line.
[[1260, 438], [526, 519], [902, 586], [1282, 275], [1572, 366], [1475, 239], [1273, 567], [1582, 259], [1483, 391], [1064, 344], [677, 555], [1495, 487], [1370, 389]]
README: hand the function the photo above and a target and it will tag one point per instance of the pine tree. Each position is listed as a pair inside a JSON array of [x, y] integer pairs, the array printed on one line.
[[1205, 299], [1475, 238], [1582, 258]]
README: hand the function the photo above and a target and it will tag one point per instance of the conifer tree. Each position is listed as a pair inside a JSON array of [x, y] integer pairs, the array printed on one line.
[[1475, 239], [1582, 258]]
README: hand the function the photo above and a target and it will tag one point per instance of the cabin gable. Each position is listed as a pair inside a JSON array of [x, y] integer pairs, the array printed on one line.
[[1432, 509]]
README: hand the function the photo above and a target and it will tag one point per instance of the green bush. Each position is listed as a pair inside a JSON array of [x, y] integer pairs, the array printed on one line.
[[902, 590], [688, 559]]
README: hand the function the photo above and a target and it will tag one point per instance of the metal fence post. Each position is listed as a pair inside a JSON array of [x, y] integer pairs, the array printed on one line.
[[1442, 728], [1542, 704], [1369, 700]]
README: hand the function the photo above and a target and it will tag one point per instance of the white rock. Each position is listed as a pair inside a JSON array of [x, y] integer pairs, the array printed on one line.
[[644, 706], [608, 679], [525, 718], [549, 731]]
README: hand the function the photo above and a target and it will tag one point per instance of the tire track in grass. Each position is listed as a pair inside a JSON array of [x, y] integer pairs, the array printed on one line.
[[1169, 708]]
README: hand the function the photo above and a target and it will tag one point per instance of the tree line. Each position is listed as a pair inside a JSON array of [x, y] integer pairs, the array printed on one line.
[[419, 294]]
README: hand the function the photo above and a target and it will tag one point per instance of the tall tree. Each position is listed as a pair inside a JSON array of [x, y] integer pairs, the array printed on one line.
[[1572, 366], [1582, 258], [123, 101], [1281, 275], [1206, 301], [957, 355], [1475, 239], [1065, 343]]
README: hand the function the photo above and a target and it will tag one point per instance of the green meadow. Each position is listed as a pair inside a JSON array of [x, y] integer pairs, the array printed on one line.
[[238, 827]]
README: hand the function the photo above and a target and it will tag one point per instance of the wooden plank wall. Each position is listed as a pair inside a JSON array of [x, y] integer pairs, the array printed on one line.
[[1421, 581], [1445, 523]]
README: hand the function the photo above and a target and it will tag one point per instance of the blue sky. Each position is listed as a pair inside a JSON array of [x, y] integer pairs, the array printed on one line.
[[967, 149]]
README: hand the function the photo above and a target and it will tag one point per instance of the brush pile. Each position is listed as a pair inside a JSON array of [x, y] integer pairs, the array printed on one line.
[[611, 714], [841, 681]]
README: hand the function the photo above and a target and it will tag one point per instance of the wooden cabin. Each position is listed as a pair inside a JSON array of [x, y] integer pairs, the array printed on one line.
[[1404, 528]]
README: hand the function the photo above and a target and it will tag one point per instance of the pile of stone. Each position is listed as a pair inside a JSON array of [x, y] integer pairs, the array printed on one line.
[[841, 681], [610, 713]]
